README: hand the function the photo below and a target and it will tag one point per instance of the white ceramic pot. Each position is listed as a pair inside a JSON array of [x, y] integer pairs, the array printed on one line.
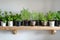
[[52, 23], [33, 23], [3, 24], [10, 23]]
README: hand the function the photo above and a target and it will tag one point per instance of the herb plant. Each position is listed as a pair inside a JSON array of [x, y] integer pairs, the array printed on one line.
[[25, 14], [51, 15]]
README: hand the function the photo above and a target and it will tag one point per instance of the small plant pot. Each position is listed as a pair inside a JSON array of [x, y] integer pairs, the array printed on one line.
[[17, 23], [14, 23], [26, 23], [44, 23], [40, 23], [37, 22], [3, 24], [52, 23], [57, 23], [22, 23], [33, 23], [10, 23], [0, 23]]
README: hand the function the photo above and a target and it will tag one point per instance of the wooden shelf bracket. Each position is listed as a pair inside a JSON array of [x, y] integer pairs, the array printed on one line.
[[53, 31], [14, 31]]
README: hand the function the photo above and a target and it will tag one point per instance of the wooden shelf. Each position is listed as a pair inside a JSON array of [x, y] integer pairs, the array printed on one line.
[[15, 28], [29, 28]]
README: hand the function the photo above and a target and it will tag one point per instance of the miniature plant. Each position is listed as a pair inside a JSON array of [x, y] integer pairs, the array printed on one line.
[[57, 16], [18, 17], [42, 17], [51, 15], [4, 18], [35, 16], [25, 14], [10, 17]]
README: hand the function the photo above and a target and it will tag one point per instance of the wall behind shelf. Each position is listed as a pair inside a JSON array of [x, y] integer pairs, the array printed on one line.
[[37, 5]]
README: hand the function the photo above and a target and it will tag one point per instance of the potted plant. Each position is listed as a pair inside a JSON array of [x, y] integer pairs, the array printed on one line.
[[57, 22], [25, 15], [10, 19], [34, 17], [18, 20], [3, 22], [43, 19], [6, 16], [51, 18], [4, 19]]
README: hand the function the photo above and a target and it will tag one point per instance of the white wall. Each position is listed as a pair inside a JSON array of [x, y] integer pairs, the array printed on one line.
[[37, 5]]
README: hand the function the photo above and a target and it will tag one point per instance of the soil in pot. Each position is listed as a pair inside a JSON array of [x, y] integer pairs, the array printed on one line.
[[17, 23]]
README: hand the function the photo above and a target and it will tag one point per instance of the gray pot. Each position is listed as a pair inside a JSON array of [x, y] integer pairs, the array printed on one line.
[[17, 23], [44, 23], [33, 23]]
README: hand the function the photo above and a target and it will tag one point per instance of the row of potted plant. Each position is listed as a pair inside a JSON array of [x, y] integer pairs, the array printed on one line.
[[27, 18]]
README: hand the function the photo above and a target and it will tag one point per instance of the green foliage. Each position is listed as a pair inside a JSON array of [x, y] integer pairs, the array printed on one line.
[[42, 17], [35, 16], [51, 15], [10, 17], [57, 16], [4, 18], [17, 17], [25, 14], [58, 12], [6, 15]]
